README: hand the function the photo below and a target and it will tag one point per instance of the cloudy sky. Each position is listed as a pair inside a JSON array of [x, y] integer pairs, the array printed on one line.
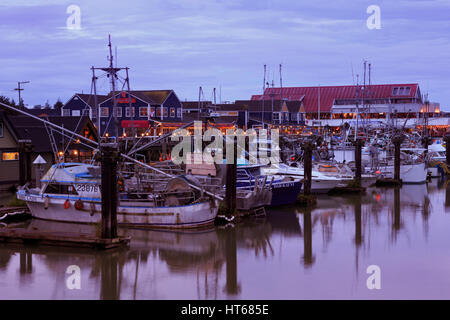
[[184, 44]]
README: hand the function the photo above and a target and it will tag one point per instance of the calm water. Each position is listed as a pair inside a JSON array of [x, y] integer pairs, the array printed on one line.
[[290, 254]]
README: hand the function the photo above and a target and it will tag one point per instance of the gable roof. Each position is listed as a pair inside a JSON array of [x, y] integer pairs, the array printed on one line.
[[25, 127], [157, 96], [328, 94]]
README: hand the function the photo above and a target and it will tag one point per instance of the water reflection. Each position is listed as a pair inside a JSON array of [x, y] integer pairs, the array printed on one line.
[[402, 230]]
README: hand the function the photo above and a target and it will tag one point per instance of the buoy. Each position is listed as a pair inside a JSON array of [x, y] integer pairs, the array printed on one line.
[[67, 204], [46, 203], [79, 204]]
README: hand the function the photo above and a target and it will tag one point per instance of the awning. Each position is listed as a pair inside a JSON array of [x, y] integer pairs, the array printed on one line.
[[136, 124]]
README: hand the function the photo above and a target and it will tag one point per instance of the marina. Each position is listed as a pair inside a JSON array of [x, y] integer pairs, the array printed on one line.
[[206, 152]]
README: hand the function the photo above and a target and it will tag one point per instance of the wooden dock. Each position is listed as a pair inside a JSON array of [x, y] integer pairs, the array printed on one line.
[[8, 214], [61, 239]]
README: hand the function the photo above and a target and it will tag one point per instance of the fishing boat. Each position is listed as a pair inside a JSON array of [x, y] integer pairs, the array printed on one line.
[[71, 192], [436, 160], [285, 190], [320, 182]]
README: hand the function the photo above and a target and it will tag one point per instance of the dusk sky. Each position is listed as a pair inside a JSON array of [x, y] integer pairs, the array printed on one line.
[[184, 44]]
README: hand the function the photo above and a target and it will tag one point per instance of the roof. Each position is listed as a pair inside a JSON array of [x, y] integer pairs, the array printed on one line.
[[156, 96], [26, 127], [89, 98], [328, 94], [257, 105]]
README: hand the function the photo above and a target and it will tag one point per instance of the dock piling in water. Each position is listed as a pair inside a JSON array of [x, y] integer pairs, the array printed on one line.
[[230, 196], [397, 141], [358, 151], [307, 147], [109, 157]]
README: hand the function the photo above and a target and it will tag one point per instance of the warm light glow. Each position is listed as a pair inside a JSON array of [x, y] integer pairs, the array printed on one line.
[[124, 134], [60, 153], [75, 152], [107, 134], [146, 133]]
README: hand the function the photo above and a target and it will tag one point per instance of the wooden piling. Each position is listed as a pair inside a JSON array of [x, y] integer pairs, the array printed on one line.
[[25, 148], [230, 195], [307, 147], [358, 151], [109, 157], [397, 141]]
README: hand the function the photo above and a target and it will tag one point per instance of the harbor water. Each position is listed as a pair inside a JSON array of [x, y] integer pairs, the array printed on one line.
[[292, 253]]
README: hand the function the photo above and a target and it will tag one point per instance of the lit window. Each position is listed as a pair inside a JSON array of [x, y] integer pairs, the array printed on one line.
[[10, 156], [129, 112], [104, 112], [75, 113], [165, 112], [152, 111], [143, 112], [172, 112], [119, 112]]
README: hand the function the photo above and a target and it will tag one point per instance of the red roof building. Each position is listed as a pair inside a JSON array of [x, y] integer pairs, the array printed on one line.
[[325, 97]]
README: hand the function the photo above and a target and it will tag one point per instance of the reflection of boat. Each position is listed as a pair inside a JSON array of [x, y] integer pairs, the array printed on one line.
[[71, 193]]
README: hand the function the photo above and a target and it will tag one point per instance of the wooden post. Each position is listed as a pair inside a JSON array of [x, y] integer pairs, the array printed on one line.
[[230, 196], [358, 150], [109, 157], [25, 148], [447, 149], [397, 140], [307, 167]]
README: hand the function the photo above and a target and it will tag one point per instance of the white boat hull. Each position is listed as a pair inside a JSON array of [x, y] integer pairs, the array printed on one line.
[[128, 214], [409, 173]]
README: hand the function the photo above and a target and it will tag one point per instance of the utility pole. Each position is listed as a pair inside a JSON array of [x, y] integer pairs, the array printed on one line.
[[18, 89]]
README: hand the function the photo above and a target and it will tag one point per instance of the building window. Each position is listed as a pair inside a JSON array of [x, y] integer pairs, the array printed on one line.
[[172, 112], [152, 111], [66, 112], [94, 113], [1, 130], [104, 112], [395, 91], [10, 156], [276, 117], [166, 112], [401, 91], [75, 113], [129, 112], [407, 91], [143, 112], [118, 112], [179, 113]]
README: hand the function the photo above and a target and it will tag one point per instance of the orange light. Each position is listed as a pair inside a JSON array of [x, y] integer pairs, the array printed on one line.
[[124, 134], [75, 152], [60, 153], [107, 134]]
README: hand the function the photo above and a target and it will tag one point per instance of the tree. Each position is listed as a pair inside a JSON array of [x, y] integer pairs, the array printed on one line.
[[58, 105]]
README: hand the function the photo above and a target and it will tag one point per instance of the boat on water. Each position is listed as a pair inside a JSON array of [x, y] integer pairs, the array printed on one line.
[[320, 182], [285, 190], [71, 192], [436, 160]]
